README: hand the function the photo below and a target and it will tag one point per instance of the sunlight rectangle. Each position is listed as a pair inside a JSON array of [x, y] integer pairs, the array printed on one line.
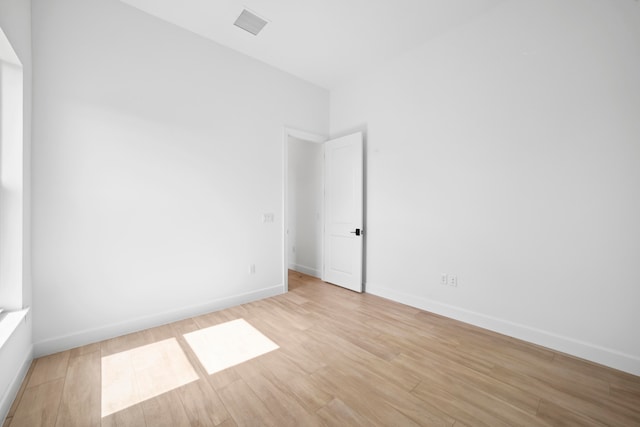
[[133, 376], [228, 344]]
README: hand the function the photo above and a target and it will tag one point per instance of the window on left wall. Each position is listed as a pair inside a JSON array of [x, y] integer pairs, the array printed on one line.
[[11, 177]]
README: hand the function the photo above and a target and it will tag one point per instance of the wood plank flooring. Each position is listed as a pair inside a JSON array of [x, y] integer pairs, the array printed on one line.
[[344, 359]]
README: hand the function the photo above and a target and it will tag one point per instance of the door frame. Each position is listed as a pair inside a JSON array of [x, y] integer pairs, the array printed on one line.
[[306, 136]]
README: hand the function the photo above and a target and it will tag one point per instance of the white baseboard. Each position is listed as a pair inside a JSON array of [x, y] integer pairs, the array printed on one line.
[[585, 350], [306, 270], [14, 387], [66, 342]]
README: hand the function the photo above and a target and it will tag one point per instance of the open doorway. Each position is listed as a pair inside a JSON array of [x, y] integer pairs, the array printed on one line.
[[323, 205], [304, 242], [303, 204]]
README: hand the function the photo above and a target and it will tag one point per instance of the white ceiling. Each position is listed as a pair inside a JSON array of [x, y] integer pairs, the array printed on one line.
[[325, 42]]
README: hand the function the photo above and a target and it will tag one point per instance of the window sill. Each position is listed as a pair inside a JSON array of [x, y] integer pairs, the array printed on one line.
[[9, 322]]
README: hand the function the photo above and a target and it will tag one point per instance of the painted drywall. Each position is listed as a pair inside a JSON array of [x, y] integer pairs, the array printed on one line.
[[305, 206], [156, 153], [507, 152], [16, 353]]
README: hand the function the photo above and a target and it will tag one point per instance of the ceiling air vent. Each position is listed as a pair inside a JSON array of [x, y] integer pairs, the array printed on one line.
[[250, 22]]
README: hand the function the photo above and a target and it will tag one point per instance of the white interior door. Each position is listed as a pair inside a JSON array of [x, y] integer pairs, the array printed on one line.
[[343, 241]]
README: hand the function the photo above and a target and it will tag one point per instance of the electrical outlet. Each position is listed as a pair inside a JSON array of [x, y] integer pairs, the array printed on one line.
[[443, 279], [453, 280]]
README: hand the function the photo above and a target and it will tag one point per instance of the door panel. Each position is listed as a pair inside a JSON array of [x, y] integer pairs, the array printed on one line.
[[344, 211]]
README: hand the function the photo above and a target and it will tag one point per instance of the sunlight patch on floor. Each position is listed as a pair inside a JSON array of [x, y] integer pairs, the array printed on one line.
[[228, 344], [135, 375]]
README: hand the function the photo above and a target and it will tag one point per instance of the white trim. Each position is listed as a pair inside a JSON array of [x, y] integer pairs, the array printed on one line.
[[14, 387], [9, 322], [307, 136], [306, 270], [66, 342], [595, 353], [7, 54]]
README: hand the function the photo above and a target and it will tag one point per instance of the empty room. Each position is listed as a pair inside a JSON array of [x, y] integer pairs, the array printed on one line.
[[323, 212]]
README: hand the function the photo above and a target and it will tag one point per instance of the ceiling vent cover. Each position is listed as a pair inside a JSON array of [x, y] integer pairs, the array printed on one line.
[[250, 22]]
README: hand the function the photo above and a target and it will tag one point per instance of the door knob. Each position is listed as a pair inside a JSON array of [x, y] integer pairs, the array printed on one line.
[[357, 232]]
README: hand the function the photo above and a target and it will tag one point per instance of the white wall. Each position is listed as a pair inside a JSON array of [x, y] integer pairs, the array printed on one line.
[[17, 351], [507, 151], [305, 206], [156, 154]]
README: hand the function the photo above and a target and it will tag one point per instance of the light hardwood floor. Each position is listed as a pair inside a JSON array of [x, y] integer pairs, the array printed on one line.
[[344, 359]]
